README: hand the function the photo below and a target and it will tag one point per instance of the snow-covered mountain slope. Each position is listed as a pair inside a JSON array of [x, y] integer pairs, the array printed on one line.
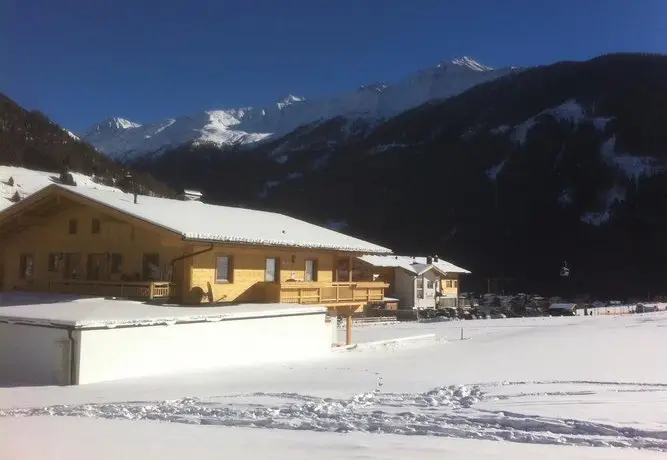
[[122, 139], [27, 181]]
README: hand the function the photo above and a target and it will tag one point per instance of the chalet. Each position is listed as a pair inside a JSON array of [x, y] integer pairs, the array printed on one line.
[[414, 281], [107, 243]]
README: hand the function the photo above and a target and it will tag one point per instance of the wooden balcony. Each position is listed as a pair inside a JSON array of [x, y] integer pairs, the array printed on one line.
[[127, 289], [325, 293]]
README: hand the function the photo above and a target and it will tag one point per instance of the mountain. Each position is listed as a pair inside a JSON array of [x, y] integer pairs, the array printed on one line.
[[561, 162], [29, 139], [124, 139]]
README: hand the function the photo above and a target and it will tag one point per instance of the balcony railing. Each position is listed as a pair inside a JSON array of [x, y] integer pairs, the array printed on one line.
[[128, 289], [325, 293]]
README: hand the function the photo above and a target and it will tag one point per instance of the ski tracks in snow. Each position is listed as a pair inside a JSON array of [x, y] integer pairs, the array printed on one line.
[[447, 411]]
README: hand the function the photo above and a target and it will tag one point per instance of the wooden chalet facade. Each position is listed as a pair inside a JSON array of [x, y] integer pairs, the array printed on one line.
[[103, 243]]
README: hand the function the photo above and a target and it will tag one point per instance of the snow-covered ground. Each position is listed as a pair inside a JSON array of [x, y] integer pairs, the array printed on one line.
[[563, 387], [27, 181]]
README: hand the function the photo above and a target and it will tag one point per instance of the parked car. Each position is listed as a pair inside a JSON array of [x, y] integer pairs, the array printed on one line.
[[641, 308]]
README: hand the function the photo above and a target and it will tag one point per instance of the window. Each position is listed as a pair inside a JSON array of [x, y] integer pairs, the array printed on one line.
[[449, 283], [272, 271], [26, 267], [310, 272], [72, 266], [95, 226], [343, 270], [455, 283], [116, 263], [420, 287], [55, 260], [223, 269], [429, 284], [97, 266], [151, 266], [72, 226]]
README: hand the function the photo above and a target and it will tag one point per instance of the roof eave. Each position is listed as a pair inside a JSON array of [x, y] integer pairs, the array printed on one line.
[[360, 251]]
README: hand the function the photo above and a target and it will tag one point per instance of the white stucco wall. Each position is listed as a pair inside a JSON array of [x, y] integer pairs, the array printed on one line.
[[331, 326], [33, 355], [429, 293], [404, 288], [117, 353]]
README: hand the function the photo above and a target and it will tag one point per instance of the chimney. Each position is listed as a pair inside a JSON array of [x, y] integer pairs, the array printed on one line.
[[436, 258], [429, 260]]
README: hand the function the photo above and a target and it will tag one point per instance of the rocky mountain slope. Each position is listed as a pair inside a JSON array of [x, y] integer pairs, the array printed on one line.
[[29, 139], [124, 139], [509, 178]]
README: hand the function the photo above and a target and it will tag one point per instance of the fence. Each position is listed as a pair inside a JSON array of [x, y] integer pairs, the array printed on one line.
[[621, 309]]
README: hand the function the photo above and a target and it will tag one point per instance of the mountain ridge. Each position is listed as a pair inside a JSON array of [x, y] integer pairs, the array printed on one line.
[[125, 139], [566, 161]]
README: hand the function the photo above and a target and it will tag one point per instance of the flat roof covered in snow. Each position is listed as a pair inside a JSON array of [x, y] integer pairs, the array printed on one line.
[[86, 313]]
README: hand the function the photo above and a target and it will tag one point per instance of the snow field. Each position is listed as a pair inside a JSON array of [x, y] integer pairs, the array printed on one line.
[[588, 383]]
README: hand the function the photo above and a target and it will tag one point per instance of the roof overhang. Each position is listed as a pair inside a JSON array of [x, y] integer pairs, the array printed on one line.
[[352, 251]]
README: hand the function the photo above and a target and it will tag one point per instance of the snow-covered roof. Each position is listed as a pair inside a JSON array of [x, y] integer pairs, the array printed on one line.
[[28, 181], [83, 312], [416, 265], [198, 221], [562, 306]]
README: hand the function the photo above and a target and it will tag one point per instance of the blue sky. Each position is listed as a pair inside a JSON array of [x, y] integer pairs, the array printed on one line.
[[81, 61]]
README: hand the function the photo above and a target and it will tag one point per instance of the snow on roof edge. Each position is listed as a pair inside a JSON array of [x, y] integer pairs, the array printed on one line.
[[294, 244], [163, 320], [370, 248], [407, 263]]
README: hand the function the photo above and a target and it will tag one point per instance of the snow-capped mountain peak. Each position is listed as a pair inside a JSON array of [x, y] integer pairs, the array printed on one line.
[[113, 125], [289, 100], [470, 63], [124, 139]]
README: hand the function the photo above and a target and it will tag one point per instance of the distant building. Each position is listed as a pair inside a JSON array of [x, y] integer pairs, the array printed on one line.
[[416, 281]]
